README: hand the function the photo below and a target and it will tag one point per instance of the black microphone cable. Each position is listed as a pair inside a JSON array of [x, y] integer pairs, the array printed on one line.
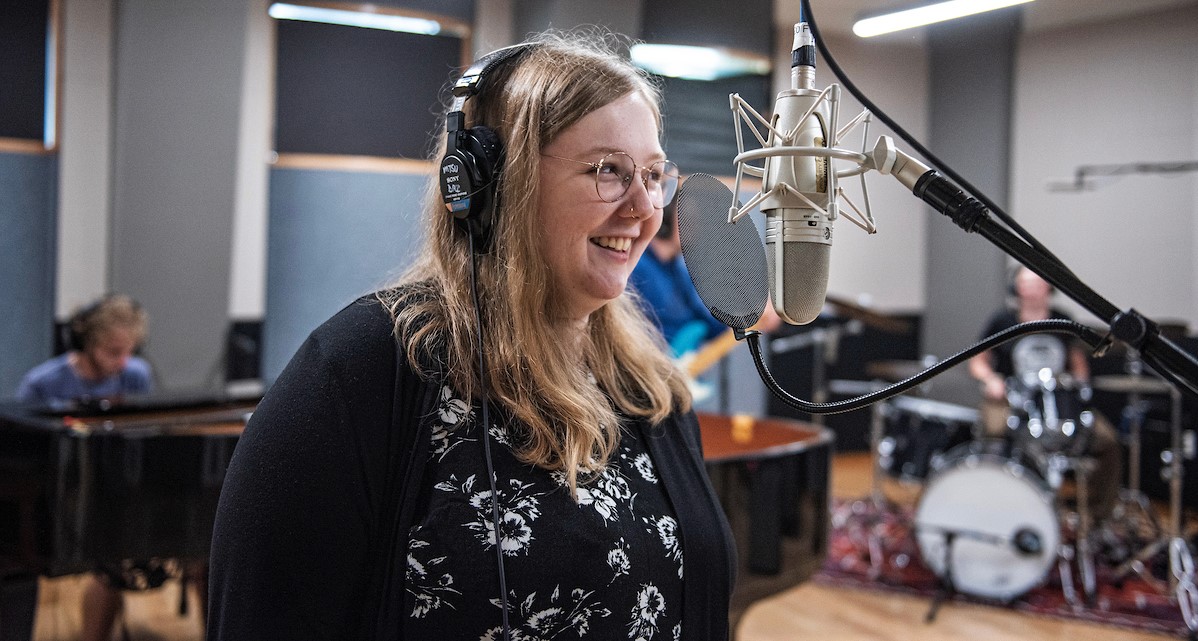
[[806, 15], [1055, 326], [496, 517]]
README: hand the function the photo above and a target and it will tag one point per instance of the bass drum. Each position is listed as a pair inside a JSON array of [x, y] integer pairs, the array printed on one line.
[[988, 518]]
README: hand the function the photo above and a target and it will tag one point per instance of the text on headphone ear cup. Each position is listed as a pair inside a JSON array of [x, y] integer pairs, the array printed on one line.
[[460, 180]]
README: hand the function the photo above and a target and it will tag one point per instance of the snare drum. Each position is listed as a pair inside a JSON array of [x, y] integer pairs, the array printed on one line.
[[915, 430], [989, 518]]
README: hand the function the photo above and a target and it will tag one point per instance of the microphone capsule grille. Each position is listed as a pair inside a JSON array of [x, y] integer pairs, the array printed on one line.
[[804, 280]]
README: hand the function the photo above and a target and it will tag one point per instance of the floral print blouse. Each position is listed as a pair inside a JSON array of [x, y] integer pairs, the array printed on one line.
[[607, 566]]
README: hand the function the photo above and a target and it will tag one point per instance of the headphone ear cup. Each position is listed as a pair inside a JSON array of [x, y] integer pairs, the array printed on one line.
[[488, 147], [75, 335], [469, 180], [77, 329]]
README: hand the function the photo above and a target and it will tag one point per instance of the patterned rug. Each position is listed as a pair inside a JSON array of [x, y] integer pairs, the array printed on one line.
[[896, 564]]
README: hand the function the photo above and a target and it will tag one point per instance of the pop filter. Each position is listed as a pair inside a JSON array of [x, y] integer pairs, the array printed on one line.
[[726, 260]]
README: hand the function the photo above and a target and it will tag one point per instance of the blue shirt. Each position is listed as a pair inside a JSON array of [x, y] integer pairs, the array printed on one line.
[[670, 301], [56, 381]]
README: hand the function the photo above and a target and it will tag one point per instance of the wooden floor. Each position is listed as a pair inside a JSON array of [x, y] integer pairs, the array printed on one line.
[[808, 611]]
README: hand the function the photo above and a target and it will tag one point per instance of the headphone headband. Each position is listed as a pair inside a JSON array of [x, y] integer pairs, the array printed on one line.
[[471, 81]]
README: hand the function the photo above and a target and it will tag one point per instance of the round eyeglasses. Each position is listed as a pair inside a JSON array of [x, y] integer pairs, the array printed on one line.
[[614, 175]]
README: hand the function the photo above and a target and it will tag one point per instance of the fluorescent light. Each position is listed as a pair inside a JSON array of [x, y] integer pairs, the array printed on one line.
[[926, 15], [697, 63], [368, 20]]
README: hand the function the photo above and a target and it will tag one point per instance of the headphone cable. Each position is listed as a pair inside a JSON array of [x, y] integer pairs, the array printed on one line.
[[486, 425]]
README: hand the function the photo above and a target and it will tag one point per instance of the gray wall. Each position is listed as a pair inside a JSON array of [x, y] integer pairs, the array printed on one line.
[[1071, 102], [1113, 93], [334, 235], [971, 86], [530, 16], [28, 195], [178, 79]]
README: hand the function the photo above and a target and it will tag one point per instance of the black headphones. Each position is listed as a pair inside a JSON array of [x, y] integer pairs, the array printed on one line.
[[473, 161]]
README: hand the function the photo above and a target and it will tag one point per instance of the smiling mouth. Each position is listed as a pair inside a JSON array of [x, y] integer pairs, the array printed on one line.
[[613, 243]]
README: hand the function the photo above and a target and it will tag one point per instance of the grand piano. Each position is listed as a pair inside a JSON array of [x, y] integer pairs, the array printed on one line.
[[103, 481], [99, 482]]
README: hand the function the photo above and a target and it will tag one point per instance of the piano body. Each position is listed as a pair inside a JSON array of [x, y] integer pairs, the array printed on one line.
[[103, 482], [141, 479]]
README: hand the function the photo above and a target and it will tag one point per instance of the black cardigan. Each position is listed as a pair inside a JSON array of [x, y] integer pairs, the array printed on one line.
[[311, 528]]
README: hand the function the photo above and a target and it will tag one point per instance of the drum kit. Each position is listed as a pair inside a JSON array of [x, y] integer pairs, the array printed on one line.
[[994, 515]]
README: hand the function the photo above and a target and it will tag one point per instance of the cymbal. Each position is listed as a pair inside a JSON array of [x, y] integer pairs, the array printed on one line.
[[881, 322], [1128, 384]]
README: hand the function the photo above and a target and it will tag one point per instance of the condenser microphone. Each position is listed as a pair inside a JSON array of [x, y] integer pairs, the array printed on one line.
[[798, 210]]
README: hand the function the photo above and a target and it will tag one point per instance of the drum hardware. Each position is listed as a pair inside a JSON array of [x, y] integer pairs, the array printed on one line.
[[1065, 572], [1180, 579], [1085, 556], [947, 587], [1181, 563], [1134, 385], [1171, 540], [1003, 545], [875, 505], [1047, 412]]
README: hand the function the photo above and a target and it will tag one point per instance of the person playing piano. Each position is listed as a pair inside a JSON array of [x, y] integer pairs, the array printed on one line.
[[100, 364]]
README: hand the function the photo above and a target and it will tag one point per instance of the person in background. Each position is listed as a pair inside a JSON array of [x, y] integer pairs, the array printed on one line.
[[390, 486], [668, 297], [100, 362], [994, 367], [667, 294]]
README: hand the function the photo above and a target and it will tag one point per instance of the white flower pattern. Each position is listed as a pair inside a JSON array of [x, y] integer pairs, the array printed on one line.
[[667, 531], [430, 593], [649, 605], [617, 510], [452, 412]]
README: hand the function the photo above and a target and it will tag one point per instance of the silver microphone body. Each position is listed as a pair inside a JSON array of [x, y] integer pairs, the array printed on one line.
[[798, 236]]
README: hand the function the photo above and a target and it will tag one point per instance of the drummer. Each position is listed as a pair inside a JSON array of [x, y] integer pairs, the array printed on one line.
[[1033, 296]]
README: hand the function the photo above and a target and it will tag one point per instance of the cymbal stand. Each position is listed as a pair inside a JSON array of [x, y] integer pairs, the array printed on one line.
[[1181, 560], [1135, 425], [1080, 552]]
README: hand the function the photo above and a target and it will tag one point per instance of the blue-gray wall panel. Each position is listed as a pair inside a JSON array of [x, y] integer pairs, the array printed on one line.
[[28, 218], [332, 236]]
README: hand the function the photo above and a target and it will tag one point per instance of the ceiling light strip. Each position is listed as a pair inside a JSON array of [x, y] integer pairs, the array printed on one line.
[[929, 14]]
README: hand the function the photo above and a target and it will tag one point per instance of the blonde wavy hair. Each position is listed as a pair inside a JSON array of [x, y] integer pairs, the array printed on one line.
[[537, 372], [111, 311]]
